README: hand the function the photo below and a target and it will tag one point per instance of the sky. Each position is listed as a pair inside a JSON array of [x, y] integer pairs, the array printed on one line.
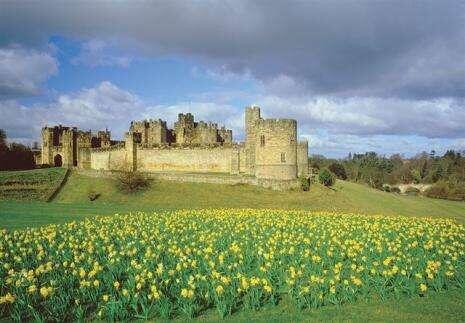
[[384, 76]]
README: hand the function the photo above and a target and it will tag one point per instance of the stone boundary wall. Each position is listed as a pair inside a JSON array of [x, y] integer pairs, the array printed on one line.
[[421, 187], [219, 178], [216, 160]]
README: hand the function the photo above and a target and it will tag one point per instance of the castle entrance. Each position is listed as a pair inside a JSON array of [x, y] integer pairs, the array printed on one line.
[[58, 161]]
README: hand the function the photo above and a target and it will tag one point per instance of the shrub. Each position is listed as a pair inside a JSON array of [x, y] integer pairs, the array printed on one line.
[[395, 189], [93, 195], [338, 170], [439, 190], [326, 177], [305, 183], [387, 188], [445, 190], [132, 181], [457, 192], [412, 191]]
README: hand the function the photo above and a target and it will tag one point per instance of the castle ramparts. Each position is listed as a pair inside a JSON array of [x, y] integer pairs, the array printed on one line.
[[271, 152]]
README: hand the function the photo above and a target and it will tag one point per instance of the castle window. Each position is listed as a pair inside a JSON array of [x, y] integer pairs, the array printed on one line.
[[262, 141], [283, 157]]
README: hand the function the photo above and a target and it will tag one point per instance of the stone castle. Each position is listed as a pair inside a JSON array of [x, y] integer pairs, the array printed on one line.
[[271, 155]]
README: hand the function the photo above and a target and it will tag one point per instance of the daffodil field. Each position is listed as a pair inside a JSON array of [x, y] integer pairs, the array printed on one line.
[[181, 263]]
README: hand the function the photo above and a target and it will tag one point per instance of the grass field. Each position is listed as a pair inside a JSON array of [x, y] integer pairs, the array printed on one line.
[[33, 185], [72, 204]]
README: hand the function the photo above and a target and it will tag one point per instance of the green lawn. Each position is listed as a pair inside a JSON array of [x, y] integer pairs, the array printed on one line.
[[446, 306], [72, 204]]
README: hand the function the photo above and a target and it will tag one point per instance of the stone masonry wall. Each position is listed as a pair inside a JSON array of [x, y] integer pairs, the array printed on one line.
[[110, 159], [216, 160]]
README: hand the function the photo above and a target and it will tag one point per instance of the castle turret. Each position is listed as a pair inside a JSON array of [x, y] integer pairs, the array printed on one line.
[[276, 149]]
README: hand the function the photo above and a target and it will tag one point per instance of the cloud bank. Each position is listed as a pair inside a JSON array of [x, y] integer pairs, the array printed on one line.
[[355, 73]]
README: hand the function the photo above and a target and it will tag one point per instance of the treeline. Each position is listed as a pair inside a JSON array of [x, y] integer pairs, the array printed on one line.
[[445, 173], [15, 156]]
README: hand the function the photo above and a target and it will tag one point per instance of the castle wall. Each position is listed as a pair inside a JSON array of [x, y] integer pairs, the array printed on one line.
[[216, 160], [108, 159], [84, 158], [242, 160]]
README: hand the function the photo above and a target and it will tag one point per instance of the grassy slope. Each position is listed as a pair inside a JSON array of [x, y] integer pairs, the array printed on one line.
[[344, 196], [72, 203], [36, 184]]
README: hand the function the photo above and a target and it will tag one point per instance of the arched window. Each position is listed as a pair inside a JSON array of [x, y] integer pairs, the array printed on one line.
[[283, 157], [262, 141]]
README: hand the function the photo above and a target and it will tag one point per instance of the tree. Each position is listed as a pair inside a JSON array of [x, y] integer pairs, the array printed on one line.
[[3, 145], [338, 170], [326, 178], [15, 156]]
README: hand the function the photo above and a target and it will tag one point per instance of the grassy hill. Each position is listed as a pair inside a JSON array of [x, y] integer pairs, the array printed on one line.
[[344, 196], [35, 185], [72, 201]]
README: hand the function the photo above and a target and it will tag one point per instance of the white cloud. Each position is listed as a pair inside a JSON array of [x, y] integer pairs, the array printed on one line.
[[23, 71], [436, 118], [99, 53]]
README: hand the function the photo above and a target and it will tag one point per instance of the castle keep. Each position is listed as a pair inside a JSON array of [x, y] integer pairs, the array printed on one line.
[[270, 156]]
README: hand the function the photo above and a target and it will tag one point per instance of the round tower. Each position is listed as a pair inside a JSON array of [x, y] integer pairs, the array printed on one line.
[[276, 149]]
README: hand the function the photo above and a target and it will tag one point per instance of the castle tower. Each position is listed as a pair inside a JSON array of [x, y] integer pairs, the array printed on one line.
[[302, 158], [205, 133], [184, 128], [104, 138], [47, 145], [84, 144], [68, 148], [153, 132], [130, 143], [252, 116], [276, 149]]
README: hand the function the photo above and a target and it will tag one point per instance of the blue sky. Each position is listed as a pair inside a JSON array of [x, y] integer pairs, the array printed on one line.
[[355, 78]]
